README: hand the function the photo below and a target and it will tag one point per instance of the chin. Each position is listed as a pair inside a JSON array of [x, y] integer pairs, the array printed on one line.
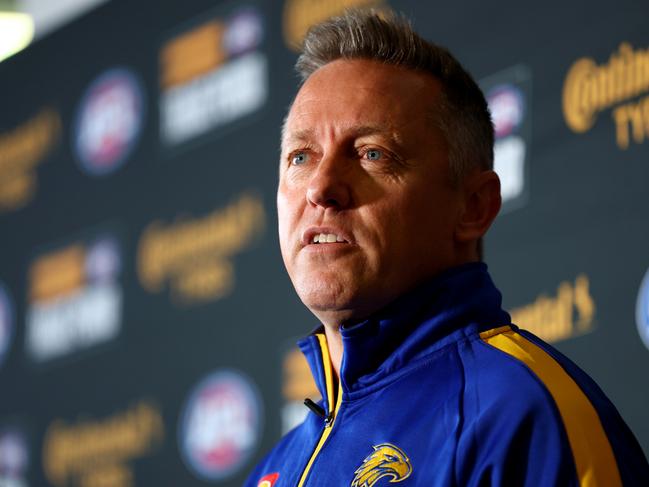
[[316, 299], [324, 296]]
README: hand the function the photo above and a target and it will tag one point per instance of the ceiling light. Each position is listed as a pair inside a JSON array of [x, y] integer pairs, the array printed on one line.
[[16, 32]]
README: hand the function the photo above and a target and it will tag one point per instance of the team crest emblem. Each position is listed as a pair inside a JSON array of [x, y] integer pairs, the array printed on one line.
[[385, 461]]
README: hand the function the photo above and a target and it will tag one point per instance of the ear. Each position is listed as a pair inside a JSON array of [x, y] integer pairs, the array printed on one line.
[[481, 191]]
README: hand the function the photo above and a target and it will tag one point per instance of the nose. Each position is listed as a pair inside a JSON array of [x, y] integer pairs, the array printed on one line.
[[330, 185]]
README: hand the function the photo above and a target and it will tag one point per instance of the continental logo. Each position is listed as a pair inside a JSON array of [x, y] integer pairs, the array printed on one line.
[[21, 150], [590, 89], [194, 255], [385, 461], [300, 15], [97, 452], [567, 314]]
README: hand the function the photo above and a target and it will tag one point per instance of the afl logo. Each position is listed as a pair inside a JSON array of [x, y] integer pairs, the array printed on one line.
[[14, 457], [220, 425], [507, 107], [642, 310], [108, 121], [6, 323], [244, 32]]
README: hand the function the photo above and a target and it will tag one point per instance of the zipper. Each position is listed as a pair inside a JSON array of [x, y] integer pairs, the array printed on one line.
[[331, 418]]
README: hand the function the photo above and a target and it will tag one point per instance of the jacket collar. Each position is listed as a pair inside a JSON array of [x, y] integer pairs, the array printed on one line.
[[420, 322]]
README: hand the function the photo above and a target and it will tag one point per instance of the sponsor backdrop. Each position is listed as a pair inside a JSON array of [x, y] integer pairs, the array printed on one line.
[[147, 327]]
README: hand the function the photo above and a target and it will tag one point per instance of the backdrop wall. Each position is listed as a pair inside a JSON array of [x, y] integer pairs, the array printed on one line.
[[147, 326]]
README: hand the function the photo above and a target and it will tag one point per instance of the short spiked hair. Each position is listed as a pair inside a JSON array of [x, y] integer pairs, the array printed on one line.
[[462, 113]]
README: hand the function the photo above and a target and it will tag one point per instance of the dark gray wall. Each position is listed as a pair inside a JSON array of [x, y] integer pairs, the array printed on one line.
[[141, 288]]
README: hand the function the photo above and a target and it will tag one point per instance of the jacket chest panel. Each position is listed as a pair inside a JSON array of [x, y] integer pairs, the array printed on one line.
[[383, 438]]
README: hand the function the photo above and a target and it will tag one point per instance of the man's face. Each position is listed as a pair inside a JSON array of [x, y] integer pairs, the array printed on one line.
[[366, 207]]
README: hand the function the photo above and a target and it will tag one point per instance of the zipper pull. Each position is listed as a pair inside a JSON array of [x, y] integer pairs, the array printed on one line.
[[315, 408], [328, 420]]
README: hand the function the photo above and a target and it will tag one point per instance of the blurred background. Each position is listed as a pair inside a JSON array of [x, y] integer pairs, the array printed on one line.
[[147, 327]]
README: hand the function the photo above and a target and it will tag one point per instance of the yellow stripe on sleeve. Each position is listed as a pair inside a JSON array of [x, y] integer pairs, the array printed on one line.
[[594, 459]]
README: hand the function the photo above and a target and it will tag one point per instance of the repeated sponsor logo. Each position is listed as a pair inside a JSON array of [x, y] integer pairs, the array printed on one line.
[[508, 95], [212, 75], [14, 457], [567, 314], [109, 121], [7, 320], [642, 310], [90, 452], [195, 255], [620, 85], [220, 425], [297, 385], [300, 15], [75, 297], [22, 149]]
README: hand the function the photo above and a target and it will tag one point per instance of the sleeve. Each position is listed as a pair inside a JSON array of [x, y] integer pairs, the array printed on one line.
[[514, 443], [512, 433]]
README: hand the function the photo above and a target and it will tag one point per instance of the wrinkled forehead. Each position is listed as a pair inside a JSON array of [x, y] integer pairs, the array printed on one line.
[[360, 96]]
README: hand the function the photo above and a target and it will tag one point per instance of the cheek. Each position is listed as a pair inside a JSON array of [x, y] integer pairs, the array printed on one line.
[[285, 201], [287, 219], [429, 218], [282, 215], [283, 218]]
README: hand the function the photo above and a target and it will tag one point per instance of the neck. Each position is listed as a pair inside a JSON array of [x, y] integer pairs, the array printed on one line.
[[452, 293], [335, 345]]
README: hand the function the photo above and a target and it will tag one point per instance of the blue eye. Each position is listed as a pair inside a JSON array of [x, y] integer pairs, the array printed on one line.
[[374, 154], [299, 158]]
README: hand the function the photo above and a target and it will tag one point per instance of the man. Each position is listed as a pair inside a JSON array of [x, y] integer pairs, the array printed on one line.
[[385, 190]]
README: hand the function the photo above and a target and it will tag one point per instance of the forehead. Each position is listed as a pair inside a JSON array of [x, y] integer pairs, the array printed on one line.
[[348, 95]]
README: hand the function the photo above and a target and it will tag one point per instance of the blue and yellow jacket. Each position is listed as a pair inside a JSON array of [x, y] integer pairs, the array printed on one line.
[[439, 389]]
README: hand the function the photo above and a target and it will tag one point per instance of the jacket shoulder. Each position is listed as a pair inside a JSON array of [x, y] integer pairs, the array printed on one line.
[[521, 394]]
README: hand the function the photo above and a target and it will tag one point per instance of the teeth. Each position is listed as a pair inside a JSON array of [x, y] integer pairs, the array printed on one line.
[[327, 238]]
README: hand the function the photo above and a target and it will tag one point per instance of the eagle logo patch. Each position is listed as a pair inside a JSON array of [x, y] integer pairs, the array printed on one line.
[[385, 461]]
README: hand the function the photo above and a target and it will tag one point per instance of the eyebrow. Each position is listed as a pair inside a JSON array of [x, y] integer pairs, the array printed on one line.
[[304, 135]]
